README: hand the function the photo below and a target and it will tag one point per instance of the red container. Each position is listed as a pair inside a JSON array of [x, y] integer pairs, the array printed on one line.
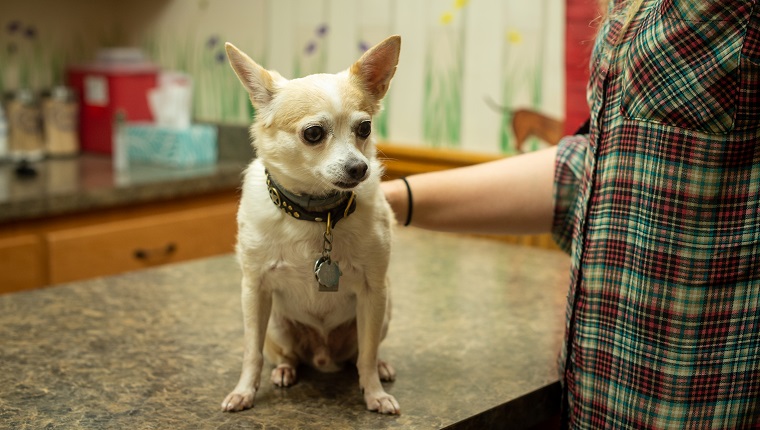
[[104, 90]]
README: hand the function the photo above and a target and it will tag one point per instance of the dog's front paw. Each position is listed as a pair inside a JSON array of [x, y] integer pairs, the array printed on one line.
[[284, 375], [383, 403], [238, 401]]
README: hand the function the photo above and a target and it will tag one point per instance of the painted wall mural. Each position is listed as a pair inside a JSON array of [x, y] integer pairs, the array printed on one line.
[[477, 75], [38, 38]]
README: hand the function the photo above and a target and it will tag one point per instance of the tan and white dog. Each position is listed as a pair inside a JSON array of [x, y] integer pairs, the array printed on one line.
[[315, 290]]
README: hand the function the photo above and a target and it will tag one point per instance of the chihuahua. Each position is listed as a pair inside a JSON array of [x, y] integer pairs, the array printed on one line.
[[314, 228]]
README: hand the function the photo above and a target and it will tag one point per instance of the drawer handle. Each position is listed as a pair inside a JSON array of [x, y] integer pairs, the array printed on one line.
[[151, 254]]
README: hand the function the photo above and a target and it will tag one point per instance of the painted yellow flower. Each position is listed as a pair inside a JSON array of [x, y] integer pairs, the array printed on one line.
[[460, 3], [514, 36], [446, 18]]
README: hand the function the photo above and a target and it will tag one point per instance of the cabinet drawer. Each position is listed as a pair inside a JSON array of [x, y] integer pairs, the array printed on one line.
[[21, 263], [125, 245]]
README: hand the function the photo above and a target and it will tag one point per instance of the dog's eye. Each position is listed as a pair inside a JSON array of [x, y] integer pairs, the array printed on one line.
[[313, 134], [364, 129]]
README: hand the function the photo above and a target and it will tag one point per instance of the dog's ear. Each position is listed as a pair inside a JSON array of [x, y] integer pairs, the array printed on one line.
[[377, 66], [260, 83]]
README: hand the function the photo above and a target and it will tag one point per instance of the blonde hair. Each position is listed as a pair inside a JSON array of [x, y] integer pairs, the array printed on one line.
[[626, 9]]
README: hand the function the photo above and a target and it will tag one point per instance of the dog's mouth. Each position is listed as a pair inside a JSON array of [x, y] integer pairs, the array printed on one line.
[[346, 185]]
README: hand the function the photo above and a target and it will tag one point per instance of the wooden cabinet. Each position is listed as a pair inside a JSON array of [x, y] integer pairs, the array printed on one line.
[[136, 243], [400, 160], [51, 251], [22, 263]]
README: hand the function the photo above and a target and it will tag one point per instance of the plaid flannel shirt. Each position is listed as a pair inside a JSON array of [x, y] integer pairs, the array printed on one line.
[[659, 207]]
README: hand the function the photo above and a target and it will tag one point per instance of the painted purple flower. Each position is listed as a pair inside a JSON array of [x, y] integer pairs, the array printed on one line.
[[322, 30], [13, 26], [30, 32], [310, 48], [363, 46], [212, 41]]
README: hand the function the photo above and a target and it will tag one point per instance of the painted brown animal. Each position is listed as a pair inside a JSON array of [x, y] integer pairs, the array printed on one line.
[[527, 123]]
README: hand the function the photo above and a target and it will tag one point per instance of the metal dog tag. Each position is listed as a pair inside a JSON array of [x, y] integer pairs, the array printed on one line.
[[327, 273]]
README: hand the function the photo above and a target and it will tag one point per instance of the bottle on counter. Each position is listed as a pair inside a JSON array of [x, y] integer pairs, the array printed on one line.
[[25, 140], [120, 154], [60, 112], [3, 135], [4, 173]]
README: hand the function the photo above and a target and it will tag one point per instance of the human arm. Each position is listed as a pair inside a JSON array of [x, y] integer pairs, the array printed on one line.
[[512, 195]]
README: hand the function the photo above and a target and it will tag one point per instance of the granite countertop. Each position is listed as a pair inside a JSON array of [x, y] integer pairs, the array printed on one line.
[[89, 181], [476, 329]]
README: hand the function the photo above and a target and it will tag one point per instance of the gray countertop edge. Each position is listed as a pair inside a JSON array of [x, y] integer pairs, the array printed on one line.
[[530, 410]]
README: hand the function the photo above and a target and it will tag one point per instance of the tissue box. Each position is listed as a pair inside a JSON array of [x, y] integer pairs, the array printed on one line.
[[187, 147]]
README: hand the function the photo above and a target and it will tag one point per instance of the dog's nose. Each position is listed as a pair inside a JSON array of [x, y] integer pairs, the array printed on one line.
[[356, 170]]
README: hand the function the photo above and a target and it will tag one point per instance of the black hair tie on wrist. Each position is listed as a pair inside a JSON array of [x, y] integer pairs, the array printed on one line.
[[409, 201]]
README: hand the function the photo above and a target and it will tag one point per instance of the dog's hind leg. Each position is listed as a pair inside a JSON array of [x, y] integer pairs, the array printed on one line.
[[285, 361], [386, 372], [384, 369], [284, 373]]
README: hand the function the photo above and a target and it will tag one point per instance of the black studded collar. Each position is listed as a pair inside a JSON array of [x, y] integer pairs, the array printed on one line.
[[334, 206]]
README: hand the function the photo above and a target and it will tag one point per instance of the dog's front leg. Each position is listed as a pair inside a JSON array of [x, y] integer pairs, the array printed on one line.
[[370, 314], [257, 305]]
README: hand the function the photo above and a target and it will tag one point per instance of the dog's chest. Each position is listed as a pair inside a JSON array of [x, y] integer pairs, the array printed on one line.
[[296, 293], [288, 272]]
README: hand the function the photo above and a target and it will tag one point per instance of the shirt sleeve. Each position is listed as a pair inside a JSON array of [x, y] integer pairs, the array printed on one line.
[[569, 167]]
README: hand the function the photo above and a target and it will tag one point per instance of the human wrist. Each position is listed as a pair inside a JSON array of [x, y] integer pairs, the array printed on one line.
[[397, 195], [409, 202]]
